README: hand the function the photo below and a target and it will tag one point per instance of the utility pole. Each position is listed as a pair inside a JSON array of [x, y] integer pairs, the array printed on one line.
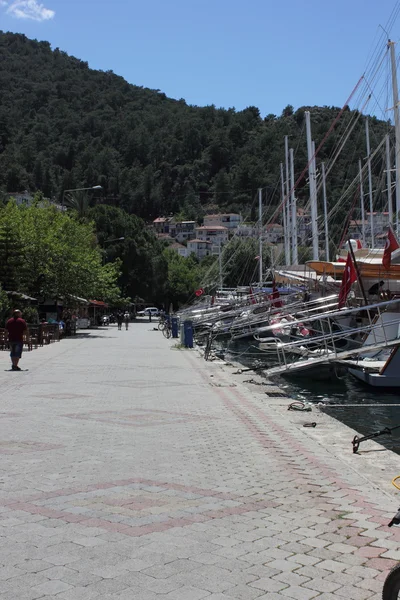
[[313, 188], [295, 257], [325, 213], [371, 203], [396, 128]]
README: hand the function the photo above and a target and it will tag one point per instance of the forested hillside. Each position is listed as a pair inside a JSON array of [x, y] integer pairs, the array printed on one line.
[[63, 125]]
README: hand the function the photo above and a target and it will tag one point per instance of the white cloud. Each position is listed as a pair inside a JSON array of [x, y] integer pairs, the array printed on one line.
[[29, 9]]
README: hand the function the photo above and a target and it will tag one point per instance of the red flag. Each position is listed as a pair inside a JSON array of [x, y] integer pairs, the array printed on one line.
[[349, 277], [391, 245], [199, 292], [252, 299], [275, 296]]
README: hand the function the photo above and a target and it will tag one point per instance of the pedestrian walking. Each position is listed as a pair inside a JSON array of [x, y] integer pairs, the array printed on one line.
[[127, 318], [16, 326], [120, 318]]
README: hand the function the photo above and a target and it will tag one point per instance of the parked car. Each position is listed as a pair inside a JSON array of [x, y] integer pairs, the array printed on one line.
[[152, 310]]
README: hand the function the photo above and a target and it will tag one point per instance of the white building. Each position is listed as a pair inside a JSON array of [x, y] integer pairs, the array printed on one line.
[[182, 230], [200, 248], [246, 230], [217, 235], [21, 198], [229, 220], [179, 249], [273, 233], [381, 223]]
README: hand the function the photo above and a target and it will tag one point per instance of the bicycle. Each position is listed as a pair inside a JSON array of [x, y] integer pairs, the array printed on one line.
[[391, 586], [161, 323], [167, 331]]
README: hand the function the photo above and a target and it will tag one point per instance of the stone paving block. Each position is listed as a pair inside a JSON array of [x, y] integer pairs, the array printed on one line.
[[79, 593], [268, 585], [219, 596], [157, 586], [133, 594], [342, 548], [187, 593], [282, 565], [107, 586], [291, 578], [244, 592], [322, 585], [172, 568], [299, 593], [10, 572], [356, 593], [50, 588]]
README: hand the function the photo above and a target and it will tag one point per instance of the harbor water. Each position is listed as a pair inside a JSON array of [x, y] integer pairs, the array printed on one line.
[[360, 407]]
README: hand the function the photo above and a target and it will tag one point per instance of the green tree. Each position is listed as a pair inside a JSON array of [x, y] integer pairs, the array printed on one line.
[[49, 253], [183, 277]]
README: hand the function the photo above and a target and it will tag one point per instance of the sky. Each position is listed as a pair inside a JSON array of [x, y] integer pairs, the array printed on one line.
[[236, 53]]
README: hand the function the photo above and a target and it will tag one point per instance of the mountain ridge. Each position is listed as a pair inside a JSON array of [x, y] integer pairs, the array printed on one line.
[[64, 125]]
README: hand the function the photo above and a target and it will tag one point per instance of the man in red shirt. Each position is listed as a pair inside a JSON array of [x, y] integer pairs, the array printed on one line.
[[16, 327]]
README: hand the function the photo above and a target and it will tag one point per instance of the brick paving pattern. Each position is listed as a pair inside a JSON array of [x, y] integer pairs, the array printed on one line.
[[134, 470]]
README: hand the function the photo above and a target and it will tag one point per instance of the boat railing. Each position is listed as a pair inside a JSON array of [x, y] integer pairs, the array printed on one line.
[[380, 329], [253, 320]]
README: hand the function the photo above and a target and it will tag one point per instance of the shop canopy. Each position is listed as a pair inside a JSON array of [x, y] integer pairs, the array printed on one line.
[[78, 299], [20, 296], [98, 303]]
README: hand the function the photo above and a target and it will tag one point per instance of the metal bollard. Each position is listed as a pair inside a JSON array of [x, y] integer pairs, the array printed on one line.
[[174, 326], [188, 328]]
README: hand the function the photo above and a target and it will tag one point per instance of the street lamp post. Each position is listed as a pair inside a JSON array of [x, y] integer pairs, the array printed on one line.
[[93, 187]]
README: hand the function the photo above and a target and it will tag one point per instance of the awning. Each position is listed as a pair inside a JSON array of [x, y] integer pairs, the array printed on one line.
[[78, 299], [20, 296], [98, 303]]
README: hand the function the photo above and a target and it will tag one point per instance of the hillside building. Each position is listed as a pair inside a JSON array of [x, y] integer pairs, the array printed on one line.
[[200, 248]]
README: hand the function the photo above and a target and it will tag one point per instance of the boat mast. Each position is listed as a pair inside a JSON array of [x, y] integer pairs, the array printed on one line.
[[396, 128], [285, 227], [260, 257], [389, 181], [295, 257], [221, 280], [325, 213], [362, 203], [313, 188], [287, 207], [371, 204]]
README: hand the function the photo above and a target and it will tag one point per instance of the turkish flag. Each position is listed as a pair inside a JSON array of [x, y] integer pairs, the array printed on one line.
[[199, 292], [275, 296], [391, 245], [349, 277]]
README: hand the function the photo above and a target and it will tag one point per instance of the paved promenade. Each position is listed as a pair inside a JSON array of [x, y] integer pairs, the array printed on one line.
[[133, 470]]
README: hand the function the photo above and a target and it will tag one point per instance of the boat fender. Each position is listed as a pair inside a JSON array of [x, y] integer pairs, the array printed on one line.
[[299, 406]]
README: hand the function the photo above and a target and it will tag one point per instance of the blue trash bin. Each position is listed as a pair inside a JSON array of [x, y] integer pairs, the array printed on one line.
[[188, 325], [174, 327]]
